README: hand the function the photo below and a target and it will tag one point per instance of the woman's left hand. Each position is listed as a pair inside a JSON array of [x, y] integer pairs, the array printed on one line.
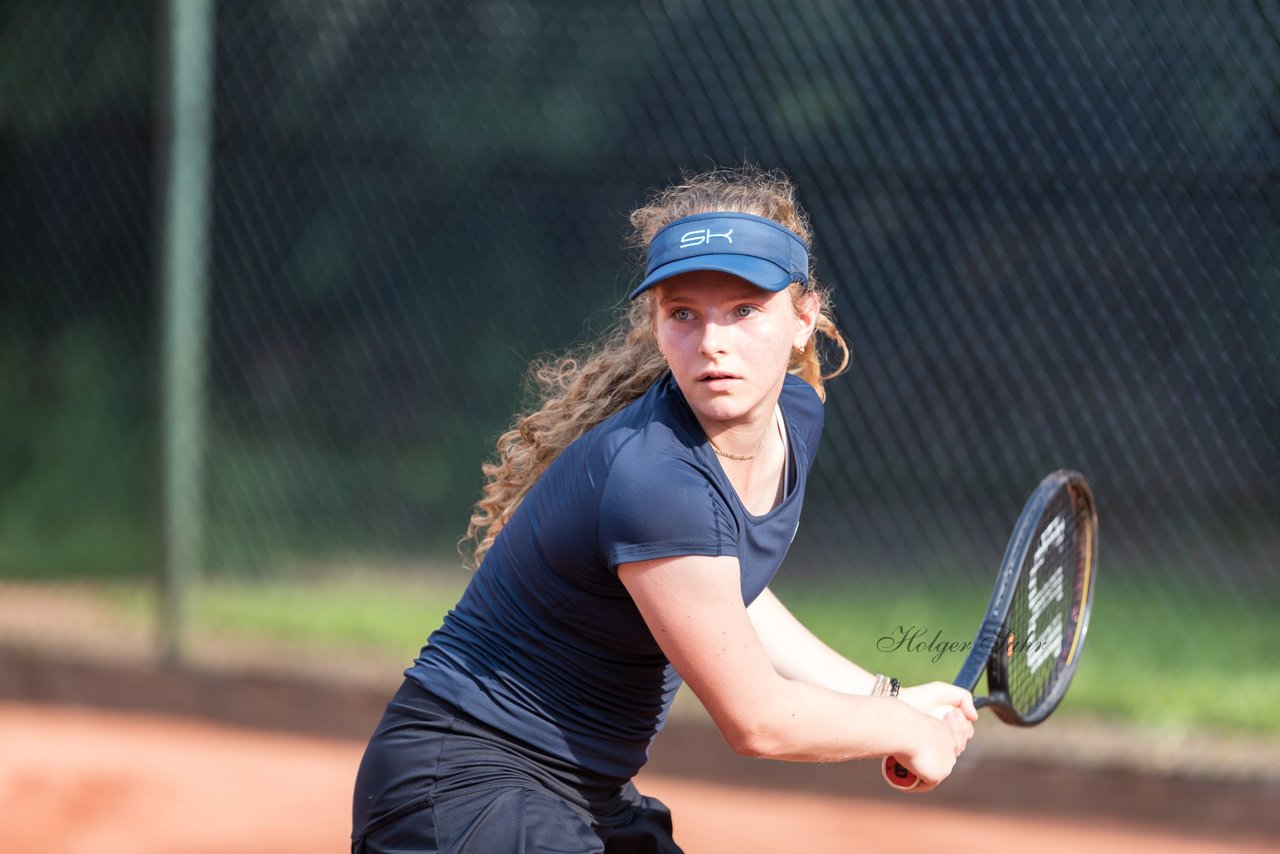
[[941, 699]]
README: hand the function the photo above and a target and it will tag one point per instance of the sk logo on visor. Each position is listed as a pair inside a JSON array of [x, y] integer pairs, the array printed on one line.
[[699, 236]]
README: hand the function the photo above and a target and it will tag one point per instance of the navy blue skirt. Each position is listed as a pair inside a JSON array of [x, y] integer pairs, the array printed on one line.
[[432, 780]]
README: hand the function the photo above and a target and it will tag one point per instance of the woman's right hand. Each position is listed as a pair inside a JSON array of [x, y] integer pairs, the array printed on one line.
[[943, 737]]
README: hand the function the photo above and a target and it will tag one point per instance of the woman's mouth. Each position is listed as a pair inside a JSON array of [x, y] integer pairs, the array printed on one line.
[[718, 380]]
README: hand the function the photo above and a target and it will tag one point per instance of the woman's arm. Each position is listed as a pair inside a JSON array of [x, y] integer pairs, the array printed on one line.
[[797, 653], [693, 606]]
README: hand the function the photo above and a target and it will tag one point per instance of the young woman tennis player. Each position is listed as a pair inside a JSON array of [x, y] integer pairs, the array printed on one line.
[[626, 539]]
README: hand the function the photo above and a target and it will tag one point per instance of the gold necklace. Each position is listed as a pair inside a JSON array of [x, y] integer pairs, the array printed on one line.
[[742, 457], [745, 457]]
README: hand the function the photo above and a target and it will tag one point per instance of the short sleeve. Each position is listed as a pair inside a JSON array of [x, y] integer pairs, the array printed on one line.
[[659, 504], [805, 415]]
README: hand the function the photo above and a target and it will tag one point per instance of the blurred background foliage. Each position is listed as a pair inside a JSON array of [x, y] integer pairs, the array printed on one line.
[[1051, 231]]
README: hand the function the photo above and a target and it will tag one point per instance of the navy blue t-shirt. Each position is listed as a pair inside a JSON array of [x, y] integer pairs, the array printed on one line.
[[546, 643]]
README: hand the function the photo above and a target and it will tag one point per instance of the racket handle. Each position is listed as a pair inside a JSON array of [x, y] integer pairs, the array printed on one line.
[[897, 775]]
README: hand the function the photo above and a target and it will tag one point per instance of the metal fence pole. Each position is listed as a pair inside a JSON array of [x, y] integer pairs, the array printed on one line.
[[185, 124]]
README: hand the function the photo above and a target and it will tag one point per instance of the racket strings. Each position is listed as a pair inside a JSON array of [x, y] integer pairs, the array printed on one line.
[[1048, 604]]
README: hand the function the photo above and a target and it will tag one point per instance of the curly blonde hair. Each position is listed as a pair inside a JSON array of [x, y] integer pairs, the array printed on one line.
[[578, 390]]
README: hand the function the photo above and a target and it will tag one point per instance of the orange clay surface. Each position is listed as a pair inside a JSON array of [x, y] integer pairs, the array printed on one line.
[[82, 781]]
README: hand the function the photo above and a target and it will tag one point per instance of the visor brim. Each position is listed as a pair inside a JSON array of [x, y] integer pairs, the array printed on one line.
[[765, 275]]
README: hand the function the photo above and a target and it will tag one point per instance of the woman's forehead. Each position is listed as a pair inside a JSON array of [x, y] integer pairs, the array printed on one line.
[[710, 284]]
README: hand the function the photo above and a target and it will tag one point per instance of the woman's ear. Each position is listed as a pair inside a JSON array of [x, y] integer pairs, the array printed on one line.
[[807, 309]]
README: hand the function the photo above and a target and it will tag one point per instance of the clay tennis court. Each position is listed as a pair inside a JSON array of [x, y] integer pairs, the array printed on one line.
[[79, 780]]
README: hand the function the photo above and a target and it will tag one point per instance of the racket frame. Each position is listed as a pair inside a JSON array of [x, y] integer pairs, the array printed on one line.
[[987, 655]]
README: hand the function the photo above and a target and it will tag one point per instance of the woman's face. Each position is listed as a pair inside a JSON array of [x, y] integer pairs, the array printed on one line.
[[728, 344]]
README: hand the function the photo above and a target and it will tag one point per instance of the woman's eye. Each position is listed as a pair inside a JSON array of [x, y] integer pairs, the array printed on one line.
[[682, 314], [745, 310]]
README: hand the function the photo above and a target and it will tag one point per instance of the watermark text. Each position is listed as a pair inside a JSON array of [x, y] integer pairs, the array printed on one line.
[[920, 640]]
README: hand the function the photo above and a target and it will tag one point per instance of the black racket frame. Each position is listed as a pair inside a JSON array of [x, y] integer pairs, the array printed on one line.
[[988, 653]]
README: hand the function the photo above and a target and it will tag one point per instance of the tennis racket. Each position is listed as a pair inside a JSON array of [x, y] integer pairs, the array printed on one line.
[[1030, 640]]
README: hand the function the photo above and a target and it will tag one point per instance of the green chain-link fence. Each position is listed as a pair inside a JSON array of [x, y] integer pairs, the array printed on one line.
[[1051, 229]]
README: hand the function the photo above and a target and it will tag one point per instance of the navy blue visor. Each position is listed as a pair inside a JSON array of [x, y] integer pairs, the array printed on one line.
[[759, 250]]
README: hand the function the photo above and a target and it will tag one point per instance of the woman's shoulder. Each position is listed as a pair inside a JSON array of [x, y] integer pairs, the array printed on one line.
[[654, 421], [659, 496], [651, 450], [801, 399], [637, 450], [804, 412], [652, 439]]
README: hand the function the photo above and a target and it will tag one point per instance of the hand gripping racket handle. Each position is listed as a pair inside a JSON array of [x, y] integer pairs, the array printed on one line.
[[898, 775]]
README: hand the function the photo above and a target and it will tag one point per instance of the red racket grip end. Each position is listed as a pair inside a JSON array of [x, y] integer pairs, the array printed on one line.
[[898, 775]]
